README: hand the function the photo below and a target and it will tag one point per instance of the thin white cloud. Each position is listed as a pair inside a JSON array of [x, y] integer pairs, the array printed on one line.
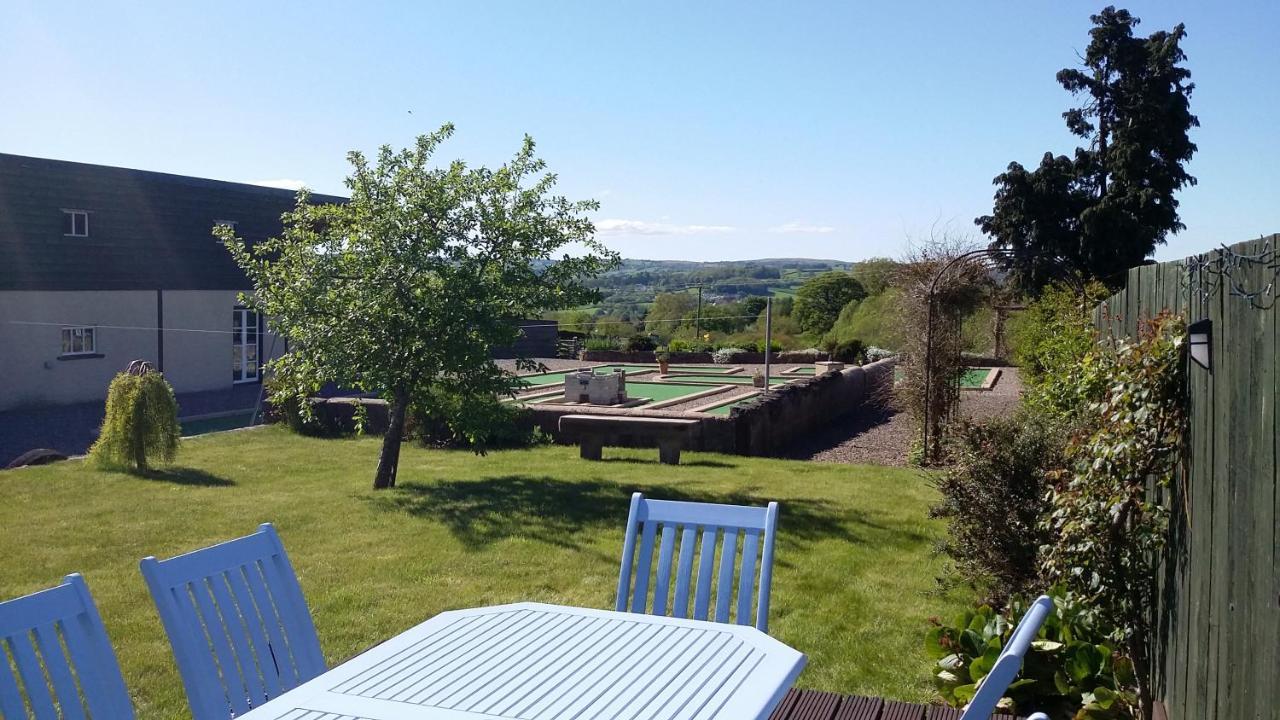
[[282, 183], [615, 226], [795, 226]]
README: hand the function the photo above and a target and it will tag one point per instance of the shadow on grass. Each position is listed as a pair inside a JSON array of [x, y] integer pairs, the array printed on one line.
[[480, 512], [184, 476]]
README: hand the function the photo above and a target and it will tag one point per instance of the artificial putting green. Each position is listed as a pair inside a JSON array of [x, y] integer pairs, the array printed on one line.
[[653, 391], [971, 379], [725, 408], [800, 371], [551, 378], [717, 379]]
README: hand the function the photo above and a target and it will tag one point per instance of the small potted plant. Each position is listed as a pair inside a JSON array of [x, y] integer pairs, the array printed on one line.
[[664, 361], [757, 379]]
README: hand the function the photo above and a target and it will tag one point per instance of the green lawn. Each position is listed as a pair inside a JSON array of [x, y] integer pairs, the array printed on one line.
[[853, 584]]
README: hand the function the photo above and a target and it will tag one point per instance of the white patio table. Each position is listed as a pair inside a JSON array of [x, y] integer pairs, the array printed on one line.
[[537, 662]]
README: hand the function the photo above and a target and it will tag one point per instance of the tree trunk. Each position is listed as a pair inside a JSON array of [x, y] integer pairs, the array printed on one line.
[[389, 460]]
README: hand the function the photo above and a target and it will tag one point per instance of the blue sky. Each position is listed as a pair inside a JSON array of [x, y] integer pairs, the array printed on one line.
[[724, 130]]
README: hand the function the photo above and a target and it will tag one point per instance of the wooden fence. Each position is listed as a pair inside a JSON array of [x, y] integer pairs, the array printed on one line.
[[1219, 619]]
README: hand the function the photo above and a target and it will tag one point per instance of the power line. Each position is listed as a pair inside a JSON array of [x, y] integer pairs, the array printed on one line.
[[153, 328]]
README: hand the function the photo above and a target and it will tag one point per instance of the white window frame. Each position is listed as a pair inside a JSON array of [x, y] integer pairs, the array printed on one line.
[[73, 213], [239, 345], [88, 336]]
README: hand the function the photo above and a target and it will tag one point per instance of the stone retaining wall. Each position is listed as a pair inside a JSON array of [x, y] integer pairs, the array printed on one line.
[[773, 421]]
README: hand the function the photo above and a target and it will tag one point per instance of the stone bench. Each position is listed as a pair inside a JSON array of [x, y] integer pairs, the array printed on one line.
[[594, 431]]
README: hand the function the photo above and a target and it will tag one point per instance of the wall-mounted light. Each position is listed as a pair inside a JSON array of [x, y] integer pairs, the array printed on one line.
[[1200, 339]]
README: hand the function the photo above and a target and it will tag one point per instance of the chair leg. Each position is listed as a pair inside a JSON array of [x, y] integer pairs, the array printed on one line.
[[591, 448]]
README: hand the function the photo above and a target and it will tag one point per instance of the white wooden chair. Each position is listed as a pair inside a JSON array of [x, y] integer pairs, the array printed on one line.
[[239, 626], [713, 530], [65, 665], [996, 682]]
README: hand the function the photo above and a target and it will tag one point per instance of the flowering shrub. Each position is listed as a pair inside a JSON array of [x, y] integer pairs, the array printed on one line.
[[725, 355]]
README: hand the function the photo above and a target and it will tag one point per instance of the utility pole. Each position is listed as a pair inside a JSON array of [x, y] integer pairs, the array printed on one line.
[[768, 336], [697, 322]]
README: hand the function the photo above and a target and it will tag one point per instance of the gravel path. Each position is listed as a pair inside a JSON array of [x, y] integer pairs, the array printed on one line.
[[883, 436]]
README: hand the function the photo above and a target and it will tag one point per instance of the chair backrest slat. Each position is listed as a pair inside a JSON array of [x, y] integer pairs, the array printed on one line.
[[24, 656], [233, 619], [706, 565], [662, 583], [214, 629], [645, 561], [55, 664], [724, 586], [684, 571], [237, 621], [291, 607], [255, 627], [716, 529], [286, 675], [747, 575], [56, 642], [1009, 662], [10, 695]]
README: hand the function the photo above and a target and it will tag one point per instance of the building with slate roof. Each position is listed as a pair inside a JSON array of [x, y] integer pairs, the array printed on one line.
[[101, 265]]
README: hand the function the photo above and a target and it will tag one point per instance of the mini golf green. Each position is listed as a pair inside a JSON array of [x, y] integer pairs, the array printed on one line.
[[652, 391], [719, 379], [725, 408], [551, 378], [800, 371], [971, 379]]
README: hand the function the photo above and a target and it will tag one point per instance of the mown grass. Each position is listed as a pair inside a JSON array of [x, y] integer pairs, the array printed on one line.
[[854, 574]]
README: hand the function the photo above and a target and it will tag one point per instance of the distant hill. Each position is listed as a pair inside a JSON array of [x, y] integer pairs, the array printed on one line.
[[635, 282]]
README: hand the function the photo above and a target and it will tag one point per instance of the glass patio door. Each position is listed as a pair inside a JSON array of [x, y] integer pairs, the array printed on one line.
[[245, 345]]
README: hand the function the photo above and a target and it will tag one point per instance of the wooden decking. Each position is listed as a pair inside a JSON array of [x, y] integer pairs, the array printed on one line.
[[817, 705]]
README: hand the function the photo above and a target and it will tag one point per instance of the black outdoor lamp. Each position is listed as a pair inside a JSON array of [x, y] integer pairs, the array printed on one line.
[[1200, 336]]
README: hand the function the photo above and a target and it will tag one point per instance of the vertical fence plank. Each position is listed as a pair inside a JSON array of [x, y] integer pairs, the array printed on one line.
[[1272, 641], [1264, 613], [1219, 608], [1219, 672]]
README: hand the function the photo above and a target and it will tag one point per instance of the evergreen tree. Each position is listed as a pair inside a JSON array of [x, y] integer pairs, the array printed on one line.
[[1106, 209]]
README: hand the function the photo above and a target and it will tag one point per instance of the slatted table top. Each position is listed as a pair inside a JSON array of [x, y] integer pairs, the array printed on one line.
[[531, 661]]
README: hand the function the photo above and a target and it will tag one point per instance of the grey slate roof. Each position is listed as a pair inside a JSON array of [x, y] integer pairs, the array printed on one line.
[[147, 230]]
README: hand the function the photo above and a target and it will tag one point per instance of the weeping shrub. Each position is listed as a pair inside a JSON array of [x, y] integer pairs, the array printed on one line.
[[141, 421]]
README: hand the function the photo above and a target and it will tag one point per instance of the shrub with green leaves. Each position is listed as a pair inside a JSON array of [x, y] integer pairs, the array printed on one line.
[[641, 343], [140, 425], [1050, 340], [847, 351], [599, 344], [1107, 530], [994, 497], [476, 422], [1071, 671]]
